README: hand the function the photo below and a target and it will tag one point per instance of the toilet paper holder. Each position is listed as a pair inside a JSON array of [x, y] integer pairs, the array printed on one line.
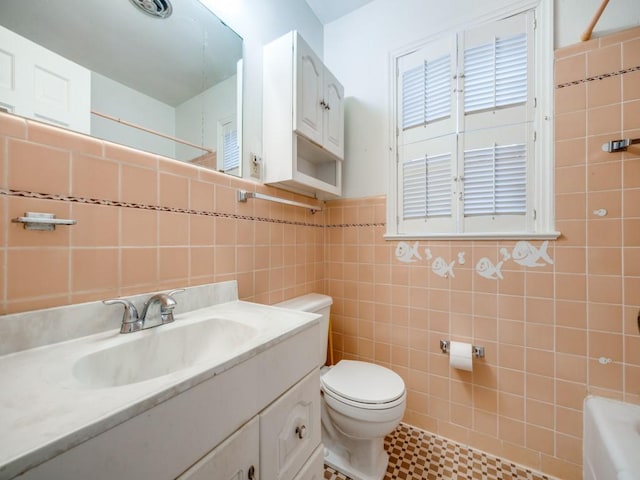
[[478, 352]]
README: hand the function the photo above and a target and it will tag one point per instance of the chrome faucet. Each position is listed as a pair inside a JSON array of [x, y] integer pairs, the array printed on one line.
[[132, 322]]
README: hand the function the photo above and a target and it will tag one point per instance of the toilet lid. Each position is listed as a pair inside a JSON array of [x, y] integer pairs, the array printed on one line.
[[363, 382]]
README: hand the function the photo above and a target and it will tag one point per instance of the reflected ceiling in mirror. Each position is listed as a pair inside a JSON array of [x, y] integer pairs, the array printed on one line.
[[179, 76]]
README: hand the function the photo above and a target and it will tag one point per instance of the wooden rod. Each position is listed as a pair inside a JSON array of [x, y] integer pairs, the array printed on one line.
[[148, 130], [587, 33]]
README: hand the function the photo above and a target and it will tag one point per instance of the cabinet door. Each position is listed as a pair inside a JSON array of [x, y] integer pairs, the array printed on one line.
[[334, 115], [237, 458], [290, 430], [308, 102], [314, 468]]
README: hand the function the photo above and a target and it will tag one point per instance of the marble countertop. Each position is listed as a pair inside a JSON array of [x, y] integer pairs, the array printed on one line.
[[45, 410]]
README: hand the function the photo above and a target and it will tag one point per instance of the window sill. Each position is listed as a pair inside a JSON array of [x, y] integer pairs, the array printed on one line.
[[474, 236]]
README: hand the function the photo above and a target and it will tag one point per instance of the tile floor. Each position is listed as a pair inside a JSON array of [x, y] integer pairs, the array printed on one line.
[[418, 455]]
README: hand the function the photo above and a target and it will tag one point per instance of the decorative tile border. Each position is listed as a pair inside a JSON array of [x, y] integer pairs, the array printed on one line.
[[141, 206], [598, 77], [346, 225]]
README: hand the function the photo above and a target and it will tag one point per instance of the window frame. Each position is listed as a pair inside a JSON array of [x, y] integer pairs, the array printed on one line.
[[541, 195]]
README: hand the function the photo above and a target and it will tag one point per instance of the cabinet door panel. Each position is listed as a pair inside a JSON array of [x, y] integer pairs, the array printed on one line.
[[290, 430], [314, 468], [232, 459], [334, 115], [309, 91]]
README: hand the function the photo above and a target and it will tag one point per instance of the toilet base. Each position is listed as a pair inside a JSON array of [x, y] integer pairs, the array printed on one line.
[[341, 464]]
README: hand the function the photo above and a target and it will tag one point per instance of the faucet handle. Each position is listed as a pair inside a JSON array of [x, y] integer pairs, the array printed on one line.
[[130, 319], [173, 292]]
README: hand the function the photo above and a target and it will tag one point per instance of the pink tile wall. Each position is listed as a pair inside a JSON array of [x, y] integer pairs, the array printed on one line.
[[544, 328], [144, 223], [147, 223]]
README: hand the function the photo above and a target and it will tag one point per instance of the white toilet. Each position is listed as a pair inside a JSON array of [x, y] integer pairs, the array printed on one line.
[[361, 404]]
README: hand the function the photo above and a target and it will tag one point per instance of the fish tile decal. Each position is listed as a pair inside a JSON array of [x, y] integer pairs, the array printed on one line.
[[524, 253], [441, 268], [527, 255], [487, 269], [406, 253]]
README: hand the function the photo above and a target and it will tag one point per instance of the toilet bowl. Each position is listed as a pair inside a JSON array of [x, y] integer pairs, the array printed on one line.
[[361, 404]]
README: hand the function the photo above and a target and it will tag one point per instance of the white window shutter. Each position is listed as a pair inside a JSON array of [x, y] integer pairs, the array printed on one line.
[[231, 150], [495, 73], [425, 96], [497, 69], [426, 92], [427, 186], [495, 180]]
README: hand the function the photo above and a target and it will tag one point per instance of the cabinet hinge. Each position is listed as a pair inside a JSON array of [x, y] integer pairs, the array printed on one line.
[[535, 135], [535, 102], [535, 214], [535, 23]]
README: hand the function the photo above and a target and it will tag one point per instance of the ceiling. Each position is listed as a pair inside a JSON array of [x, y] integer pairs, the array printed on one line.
[[329, 10]]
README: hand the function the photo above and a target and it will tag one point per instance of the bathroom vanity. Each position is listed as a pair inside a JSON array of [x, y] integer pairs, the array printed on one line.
[[214, 394]]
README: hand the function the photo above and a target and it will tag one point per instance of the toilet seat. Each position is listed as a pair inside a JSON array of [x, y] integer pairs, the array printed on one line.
[[364, 385]]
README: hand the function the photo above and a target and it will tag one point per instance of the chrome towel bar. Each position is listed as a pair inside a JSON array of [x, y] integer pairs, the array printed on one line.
[[244, 195], [42, 221]]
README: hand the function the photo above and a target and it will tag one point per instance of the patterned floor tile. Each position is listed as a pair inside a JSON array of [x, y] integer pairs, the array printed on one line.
[[418, 455]]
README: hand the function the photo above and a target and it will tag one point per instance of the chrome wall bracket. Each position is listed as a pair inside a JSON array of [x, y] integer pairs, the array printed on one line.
[[42, 221], [478, 352]]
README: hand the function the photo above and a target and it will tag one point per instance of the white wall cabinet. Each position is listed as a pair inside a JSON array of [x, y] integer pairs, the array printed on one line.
[[303, 120]]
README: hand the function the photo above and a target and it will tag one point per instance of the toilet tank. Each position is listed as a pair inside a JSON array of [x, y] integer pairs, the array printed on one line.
[[313, 303]]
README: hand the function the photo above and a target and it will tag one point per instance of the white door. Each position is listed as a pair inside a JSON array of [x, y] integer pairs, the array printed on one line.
[[309, 102], [37, 83], [334, 115]]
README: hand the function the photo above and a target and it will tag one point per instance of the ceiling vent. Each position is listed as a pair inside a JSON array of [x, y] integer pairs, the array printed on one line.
[[155, 8]]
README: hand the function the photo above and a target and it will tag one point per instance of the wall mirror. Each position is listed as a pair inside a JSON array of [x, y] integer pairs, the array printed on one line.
[[162, 78]]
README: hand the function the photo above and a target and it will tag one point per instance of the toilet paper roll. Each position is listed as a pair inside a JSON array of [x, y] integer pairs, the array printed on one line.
[[461, 356]]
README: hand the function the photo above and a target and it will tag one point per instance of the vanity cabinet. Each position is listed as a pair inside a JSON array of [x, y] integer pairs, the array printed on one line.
[[303, 120], [259, 419]]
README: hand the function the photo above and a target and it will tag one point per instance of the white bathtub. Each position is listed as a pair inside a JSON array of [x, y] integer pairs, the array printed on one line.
[[611, 440]]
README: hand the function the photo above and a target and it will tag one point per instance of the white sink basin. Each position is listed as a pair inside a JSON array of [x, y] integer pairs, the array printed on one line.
[[163, 350]]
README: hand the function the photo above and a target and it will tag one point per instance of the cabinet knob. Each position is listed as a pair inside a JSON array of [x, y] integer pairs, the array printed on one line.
[[301, 431], [251, 474]]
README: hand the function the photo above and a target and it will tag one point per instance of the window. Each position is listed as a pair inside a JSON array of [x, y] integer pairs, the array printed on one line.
[[229, 148], [473, 157]]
